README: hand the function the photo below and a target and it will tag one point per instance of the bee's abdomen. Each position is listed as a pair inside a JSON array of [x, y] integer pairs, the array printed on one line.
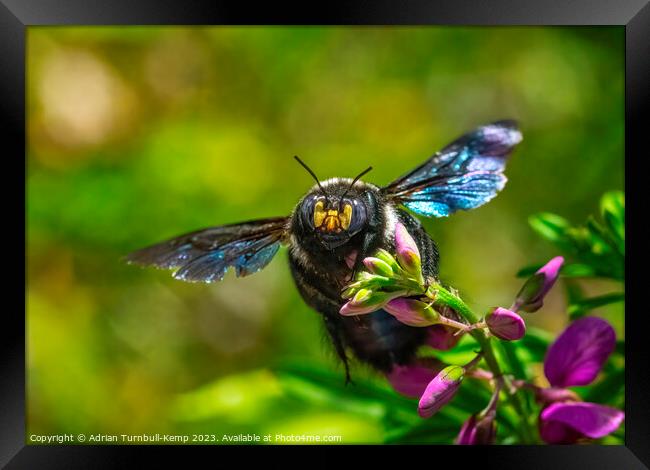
[[381, 340]]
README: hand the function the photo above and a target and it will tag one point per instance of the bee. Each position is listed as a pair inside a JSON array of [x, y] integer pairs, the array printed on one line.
[[338, 223]]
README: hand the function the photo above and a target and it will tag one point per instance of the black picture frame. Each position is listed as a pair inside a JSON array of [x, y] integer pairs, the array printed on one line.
[[17, 15]]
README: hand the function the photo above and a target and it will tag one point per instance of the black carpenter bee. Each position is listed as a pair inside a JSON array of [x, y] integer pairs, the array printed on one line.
[[337, 224]]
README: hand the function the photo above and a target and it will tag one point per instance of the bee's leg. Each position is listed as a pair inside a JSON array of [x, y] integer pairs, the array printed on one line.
[[368, 241], [348, 379], [355, 269], [333, 330]]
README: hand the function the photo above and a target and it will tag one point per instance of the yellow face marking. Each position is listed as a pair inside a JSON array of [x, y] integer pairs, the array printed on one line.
[[346, 216], [331, 220], [319, 214]]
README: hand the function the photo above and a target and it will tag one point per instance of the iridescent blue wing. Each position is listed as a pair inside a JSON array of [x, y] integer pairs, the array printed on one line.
[[206, 255], [464, 175]]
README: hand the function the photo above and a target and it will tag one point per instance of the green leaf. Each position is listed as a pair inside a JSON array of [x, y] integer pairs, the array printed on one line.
[[620, 347], [552, 227], [578, 270], [328, 396], [573, 291], [530, 289], [598, 248], [528, 270], [515, 362], [579, 308], [612, 209], [599, 240], [439, 429], [534, 344], [317, 385]]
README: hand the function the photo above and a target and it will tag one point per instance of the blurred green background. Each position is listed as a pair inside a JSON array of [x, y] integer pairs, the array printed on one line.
[[136, 134]]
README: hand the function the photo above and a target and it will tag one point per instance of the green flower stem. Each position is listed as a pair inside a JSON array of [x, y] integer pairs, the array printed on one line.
[[453, 323], [492, 405], [473, 363], [439, 293], [508, 351]]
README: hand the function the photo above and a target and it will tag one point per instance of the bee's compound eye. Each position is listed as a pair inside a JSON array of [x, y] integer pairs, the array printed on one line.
[[319, 213], [345, 217]]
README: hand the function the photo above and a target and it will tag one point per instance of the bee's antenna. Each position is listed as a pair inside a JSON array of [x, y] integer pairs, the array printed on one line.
[[355, 180], [313, 175]]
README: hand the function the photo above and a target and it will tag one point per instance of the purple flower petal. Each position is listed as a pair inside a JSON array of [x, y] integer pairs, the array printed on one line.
[[412, 380], [404, 241], [378, 266], [505, 324], [467, 432], [440, 390], [564, 423], [408, 254], [554, 432], [578, 354], [350, 308], [531, 296], [478, 431], [411, 312], [551, 272], [442, 337]]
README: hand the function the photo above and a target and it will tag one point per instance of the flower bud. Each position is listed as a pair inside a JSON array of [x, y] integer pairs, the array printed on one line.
[[388, 259], [363, 276], [378, 266], [505, 324], [349, 292], [365, 301], [408, 254], [362, 295], [531, 296], [478, 430], [412, 312], [440, 390], [372, 282]]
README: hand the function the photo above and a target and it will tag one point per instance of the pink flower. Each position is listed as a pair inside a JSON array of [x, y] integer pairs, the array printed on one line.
[[440, 390], [505, 324], [478, 430], [378, 266], [575, 358], [578, 354], [566, 422], [412, 312], [408, 254], [412, 380], [531, 296], [365, 301]]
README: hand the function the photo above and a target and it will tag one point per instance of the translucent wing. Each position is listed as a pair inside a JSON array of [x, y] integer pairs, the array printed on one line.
[[206, 255], [465, 174]]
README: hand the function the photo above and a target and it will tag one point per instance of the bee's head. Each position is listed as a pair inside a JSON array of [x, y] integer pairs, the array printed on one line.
[[334, 220], [334, 211]]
